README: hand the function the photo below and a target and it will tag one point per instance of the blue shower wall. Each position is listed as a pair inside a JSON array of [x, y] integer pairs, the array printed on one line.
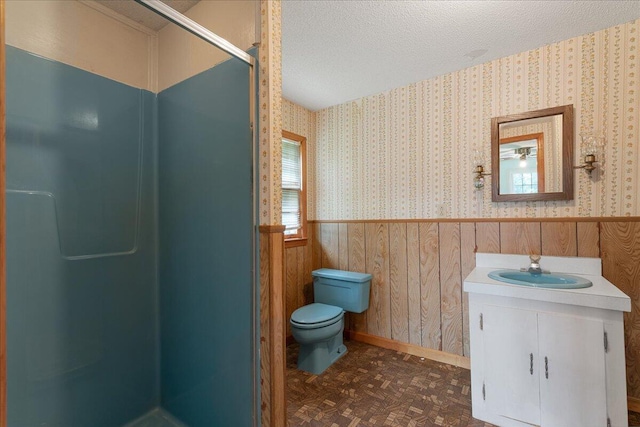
[[205, 232], [81, 247]]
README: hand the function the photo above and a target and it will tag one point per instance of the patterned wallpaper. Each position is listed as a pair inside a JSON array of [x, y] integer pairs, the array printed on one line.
[[301, 121], [270, 112], [407, 153]]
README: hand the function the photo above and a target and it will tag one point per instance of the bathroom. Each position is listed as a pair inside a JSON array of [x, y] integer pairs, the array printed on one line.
[[400, 144], [418, 250]]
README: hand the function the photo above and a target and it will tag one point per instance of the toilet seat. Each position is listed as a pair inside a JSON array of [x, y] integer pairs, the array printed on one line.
[[316, 315]]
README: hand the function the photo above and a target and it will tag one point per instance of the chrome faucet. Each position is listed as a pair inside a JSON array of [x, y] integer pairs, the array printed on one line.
[[534, 268]]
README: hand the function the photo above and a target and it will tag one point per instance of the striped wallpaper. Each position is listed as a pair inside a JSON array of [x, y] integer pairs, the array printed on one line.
[[407, 153], [270, 113], [301, 121]]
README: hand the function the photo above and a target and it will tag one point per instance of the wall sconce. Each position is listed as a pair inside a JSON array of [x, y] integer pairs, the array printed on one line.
[[592, 150], [479, 160], [478, 180]]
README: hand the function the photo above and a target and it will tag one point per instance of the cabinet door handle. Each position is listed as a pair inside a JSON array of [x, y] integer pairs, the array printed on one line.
[[546, 367], [531, 363]]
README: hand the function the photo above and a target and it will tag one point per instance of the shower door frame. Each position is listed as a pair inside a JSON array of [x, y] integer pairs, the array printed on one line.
[[184, 22], [3, 267], [203, 33]]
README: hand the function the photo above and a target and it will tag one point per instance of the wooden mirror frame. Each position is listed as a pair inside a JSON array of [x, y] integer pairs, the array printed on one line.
[[567, 155]]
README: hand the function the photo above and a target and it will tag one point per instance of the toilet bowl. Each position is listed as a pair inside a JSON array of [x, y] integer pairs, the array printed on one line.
[[318, 327]]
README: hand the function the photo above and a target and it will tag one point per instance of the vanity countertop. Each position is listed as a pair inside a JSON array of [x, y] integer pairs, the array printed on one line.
[[603, 294]]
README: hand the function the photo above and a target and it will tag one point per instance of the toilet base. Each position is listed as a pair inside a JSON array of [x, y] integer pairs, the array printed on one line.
[[317, 357]]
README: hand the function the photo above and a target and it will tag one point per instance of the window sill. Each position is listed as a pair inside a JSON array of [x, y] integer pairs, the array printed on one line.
[[292, 243]]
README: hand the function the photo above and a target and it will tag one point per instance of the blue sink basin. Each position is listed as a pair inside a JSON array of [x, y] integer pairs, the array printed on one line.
[[544, 280]]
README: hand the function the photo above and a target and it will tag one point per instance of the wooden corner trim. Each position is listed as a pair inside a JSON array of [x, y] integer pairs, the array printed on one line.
[[271, 229], [277, 332], [413, 349]]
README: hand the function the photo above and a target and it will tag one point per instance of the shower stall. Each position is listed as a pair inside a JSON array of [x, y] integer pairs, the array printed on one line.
[[130, 228]]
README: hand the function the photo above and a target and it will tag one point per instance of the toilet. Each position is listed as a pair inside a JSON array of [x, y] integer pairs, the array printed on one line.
[[318, 327]]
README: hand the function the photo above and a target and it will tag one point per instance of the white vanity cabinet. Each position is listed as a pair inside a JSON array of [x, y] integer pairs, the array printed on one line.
[[536, 371], [546, 357]]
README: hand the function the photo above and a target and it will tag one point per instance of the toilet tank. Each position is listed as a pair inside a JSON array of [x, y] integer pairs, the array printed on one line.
[[345, 289]]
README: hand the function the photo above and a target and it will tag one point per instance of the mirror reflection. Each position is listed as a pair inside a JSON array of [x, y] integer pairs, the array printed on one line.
[[522, 164], [531, 155], [539, 135]]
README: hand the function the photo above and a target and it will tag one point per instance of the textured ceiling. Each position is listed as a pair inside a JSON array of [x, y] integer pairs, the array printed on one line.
[[144, 16], [336, 51]]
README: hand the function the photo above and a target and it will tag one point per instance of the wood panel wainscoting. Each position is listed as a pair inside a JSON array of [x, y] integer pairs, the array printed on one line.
[[272, 331], [417, 304]]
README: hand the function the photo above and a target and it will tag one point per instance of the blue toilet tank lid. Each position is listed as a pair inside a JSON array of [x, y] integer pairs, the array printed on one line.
[[315, 313], [347, 276]]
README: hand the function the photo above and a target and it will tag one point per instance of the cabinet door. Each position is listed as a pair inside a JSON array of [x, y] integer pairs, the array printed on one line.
[[511, 363], [572, 381]]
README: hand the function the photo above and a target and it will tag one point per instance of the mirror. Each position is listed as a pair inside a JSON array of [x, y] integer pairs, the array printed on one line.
[[531, 155]]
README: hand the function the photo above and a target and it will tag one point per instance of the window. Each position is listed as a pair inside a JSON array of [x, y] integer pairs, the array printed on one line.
[[294, 198], [526, 182]]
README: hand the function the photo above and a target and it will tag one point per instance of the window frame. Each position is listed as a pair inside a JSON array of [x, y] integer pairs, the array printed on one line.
[[300, 238], [514, 186]]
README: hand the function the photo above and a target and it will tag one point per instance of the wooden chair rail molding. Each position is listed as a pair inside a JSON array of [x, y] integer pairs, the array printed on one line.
[[559, 219], [267, 229]]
